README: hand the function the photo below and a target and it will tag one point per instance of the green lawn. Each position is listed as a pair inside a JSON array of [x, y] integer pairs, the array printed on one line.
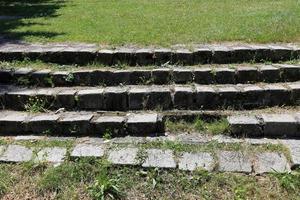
[[152, 22], [91, 179]]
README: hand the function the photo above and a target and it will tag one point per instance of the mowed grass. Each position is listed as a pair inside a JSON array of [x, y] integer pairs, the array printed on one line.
[[95, 179], [152, 22]]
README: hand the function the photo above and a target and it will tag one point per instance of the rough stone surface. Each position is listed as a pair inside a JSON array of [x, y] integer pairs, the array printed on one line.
[[52, 155], [203, 76], [87, 150], [16, 153], [42, 123], [192, 161], [159, 158], [184, 97], [279, 125], [13, 123], [269, 74], [231, 161], [205, 94], [75, 123], [294, 147], [182, 75], [113, 123], [271, 162], [142, 123], [245, 126], [91, 99], [124, 156]]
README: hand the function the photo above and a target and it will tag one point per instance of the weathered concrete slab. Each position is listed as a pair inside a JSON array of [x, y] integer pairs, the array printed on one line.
[[16, 153], [88, 150], [245, 126], [51, 154], [159, 158], [231, 161], [142, 123], [279, 125], [271, 162], [124, 156], [193, 161], [294, 147]]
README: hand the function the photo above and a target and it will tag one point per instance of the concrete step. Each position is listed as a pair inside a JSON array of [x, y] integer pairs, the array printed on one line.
[[196, 54], [165, 97], [249, 158], [266, 125], [81, 123], [160, 76]]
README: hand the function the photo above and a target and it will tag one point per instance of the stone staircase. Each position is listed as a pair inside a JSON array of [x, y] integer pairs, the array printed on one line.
[[138, 101]]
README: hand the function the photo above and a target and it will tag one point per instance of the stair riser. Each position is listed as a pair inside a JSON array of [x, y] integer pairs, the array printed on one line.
[[268, 74], [80, 125], [164, 98], [220, 55]]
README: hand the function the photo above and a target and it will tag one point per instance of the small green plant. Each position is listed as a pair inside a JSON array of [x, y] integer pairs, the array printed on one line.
[[289, 181], [6, 180], [49, 81], [35, 105], [23, 81], [218, 127], [199, 124], [104, 187], [69, 78], [107, 135]]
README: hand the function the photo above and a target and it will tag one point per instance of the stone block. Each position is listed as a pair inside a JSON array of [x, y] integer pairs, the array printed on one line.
[[280, 53], [142, 124], [159, 98], [82, 77], [278, 125], [103, 78], [231, 161], [52, 155], [252, 97], [22, 76], [144, 57], [193, 161], [247, 126], [159, 158], [73, 123], [87, 150], [124, 156], [13, 123], [242, 54], [182, 75], [203, 75], [62, 78], [295, 87], [161, 76], [202, 55], [16, 153], [139, 77], [271, 162], [105, 56], [184, 97], [228, 96], [294, 147], [43, 123], [206, 97], [269, 74], [277, 95], [137, 97], [221, 54], [18, 98], [162, 56], [5, 76], [41, 77], [65, 99], [114, 124], [115, 98], [182, 56], [247, 75], [224, 75], [289, 72], [91, 99], [124, 56]]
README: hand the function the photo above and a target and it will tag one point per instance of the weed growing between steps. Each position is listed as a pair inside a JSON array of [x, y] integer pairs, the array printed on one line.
[[215, 127], [97, 179]]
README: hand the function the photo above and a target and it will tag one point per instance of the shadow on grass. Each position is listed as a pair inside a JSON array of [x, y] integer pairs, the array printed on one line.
[[13, 11]]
